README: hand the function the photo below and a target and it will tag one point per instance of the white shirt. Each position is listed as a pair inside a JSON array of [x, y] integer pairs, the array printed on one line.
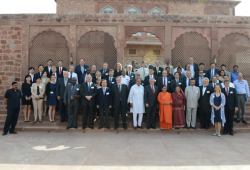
[[55, 76], [212, 73], [175, 70], [187, 81], [136, 96], [203, 90], [192, 67], [74, 75], [125, 80], [166, 81], [49, 68], [230, 85], [32, 77]]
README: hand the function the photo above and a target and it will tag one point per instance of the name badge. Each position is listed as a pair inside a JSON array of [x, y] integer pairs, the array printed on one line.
[[40, 86], [196, 91], [92, 87], [142, 84], [155, 80], [51, 92], [146, 72], [179, 83], [168, 81], [159, 71], [132, 76], [106, 74], [208, 91], [204, 73], [113, 82], [231, 92], [107, 93], [77, 89], [84, 69]]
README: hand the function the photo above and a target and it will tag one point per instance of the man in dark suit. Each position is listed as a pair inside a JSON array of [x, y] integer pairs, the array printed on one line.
[[215, 81], [80, 69], [212, 71], [151, 75], [182, 77], [111, 81], [186, 81], [120, 96], [133, 81], [130, 73], [48, 68], [71, 99], [176, 82], [150, 99], [163, 80], [32, 75], [105, 71], [60, 89], [88, 91], [231, 107], [198, 80], [169, 75], [193, 66], [84, 76], [201, 67], [60, 69], [104, 103], [40, 73], [157, 69], [204, 104], [134, 68]]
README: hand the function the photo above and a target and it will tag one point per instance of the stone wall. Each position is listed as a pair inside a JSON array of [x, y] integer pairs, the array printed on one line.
[[17, 32], [75, 6]]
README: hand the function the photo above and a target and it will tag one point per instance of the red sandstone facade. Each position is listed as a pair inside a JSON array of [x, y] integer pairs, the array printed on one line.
[[196, 31]]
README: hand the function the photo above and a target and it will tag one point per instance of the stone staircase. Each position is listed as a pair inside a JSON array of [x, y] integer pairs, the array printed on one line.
[[58, 127]]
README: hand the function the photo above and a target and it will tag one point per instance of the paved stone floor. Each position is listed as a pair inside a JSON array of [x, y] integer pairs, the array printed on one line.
[[124, 151]]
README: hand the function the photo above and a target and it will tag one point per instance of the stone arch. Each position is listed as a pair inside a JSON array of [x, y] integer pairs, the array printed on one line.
[[48, 45], [129, 62], [191, 44], [235, 50], [97, 47]]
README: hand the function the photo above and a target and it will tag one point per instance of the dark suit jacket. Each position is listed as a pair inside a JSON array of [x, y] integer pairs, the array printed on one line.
[[34, 79], [112, 83], [26, 90], [117, 73], [67, 95], [133, 82], [204, 101], [210, 84], [170, 77], [196, 67], [38, 75], [117, 96], [197, 81], [78, 71], [104, 100], [149, 97], [60, 87], [58, 71], [106, 74], [159, 72], [160, 84], [82, 79], [47, 70], [209, 72], [231, 99], [132, 75], [184, 83], [173, 85], [146, 80], [197, 73], [92, 92]]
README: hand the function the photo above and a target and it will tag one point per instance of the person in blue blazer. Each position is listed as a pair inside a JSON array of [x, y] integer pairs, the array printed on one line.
[[104, 103], [40, 73], [80, 69], [212, 71]]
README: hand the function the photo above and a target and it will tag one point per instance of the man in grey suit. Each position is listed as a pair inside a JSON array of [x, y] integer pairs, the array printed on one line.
[[150, 99], [192, 95], [72, 100]]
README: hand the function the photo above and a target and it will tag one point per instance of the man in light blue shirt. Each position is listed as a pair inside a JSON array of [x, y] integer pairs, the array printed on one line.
[[242, 90], [234, 74]]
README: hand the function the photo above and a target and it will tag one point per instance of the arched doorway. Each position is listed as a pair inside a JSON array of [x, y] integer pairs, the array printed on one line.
[[235, 50], [48, 45], [97, 47], [191, 44]]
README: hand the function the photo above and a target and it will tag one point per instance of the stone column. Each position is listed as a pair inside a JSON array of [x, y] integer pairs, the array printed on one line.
[[120, 43], [73, 43], [168, 43], [215, 44]]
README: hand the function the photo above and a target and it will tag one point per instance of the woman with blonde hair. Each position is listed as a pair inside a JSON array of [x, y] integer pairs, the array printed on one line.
[[217, 102], [118, 70]]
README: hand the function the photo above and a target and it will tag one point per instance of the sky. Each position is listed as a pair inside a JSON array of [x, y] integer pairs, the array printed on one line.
[[49, 6]]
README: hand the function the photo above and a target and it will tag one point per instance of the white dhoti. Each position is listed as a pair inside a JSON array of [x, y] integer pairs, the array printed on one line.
[[136, 97]]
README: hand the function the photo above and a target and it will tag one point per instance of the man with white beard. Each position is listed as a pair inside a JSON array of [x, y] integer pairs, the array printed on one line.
[[136, 98]]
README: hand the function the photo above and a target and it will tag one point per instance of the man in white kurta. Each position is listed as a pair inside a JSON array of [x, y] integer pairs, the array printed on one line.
[[136, 98]]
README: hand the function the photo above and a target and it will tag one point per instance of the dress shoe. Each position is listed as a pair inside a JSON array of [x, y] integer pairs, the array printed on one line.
[[140, 127], [207, 128], [135, 128], [245, 122], [193, 127], [62, 121], [125, 128], [4, 133], [224, 133], [148, 128], [202, 128], [13, 132], [231, 133], [237, 121], [153, 127], [91, 127], [116, 128], [108, 127], [68, 127], [99, 127], [75, 127], [188, 127], [83, 128]]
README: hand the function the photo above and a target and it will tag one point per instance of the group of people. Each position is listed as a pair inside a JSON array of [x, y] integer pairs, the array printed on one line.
[[179, 92]]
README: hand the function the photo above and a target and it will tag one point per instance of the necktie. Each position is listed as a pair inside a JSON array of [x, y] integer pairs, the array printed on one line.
[[119, 88], [88, 86], [153, 90], [103, 89], [164, 81], [86, 77], [157, 70], [129, 74], [82, 69], [103, 72], [40, 74], [188, 82], [71, 75], [177, 82], [65, 82], [227, 91], [110, 81], [143, 71], [73, 91], [60, 70]]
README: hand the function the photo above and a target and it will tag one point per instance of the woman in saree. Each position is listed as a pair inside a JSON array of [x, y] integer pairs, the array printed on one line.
[[178, 107], [165, 109]]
